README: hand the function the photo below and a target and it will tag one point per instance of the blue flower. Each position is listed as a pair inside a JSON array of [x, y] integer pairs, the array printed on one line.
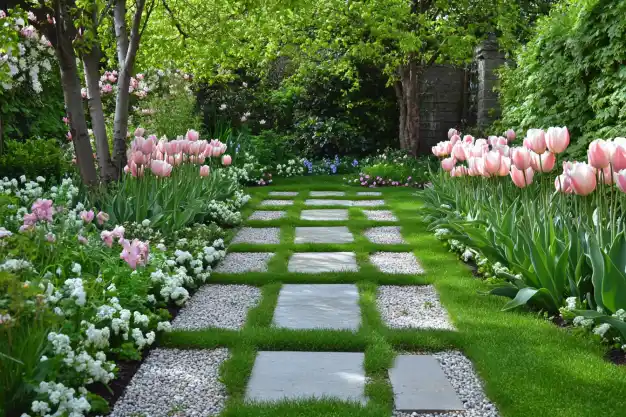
[[333, 168], [355, 163]]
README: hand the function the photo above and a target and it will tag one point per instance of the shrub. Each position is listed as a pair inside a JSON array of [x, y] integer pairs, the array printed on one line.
[[33, 158]]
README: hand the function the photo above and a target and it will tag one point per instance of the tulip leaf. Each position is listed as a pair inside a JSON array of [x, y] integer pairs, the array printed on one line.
[[613, 286], [597, 264], [619, 325], [618, 253], [525, 295], [509, 291]]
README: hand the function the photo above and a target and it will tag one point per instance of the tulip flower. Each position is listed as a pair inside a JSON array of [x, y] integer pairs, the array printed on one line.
[[204, 171], [469, 139], [542, 163], [583, 178], [448, 163], [557, 139], [102, 218], [520, 157], [510, 134], [599, 154], [455, 139], [505, 166], [87, 216], [563, 183], [620, 180], [458, 152], [227, 160], [608, 175], [492, 161], [139, 132], [618, 156], [452, 132], [192, 135], [536, 140], [161, 168], [522, 178]]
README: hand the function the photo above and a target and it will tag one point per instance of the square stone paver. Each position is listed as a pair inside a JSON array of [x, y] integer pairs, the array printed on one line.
[[284, 193], [267, 215], [396, 263], [277, 203], [368, 203], [280, 376], [327, 193], [420, 385], [328, 202], [239, 262], [380, 215], [259, 235], [340, 234], [317, 262], [374, 193], [384, 235], [318, 306], [324, 214]]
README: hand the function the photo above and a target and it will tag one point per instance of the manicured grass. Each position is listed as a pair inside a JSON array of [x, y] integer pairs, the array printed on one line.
[[529, 367]]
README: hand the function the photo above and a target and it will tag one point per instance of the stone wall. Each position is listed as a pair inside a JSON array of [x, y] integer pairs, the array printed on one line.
[[488, 58], [444, 102]]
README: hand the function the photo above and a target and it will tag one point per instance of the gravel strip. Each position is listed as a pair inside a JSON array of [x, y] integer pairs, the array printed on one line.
[[277, 203], [460, 372], [415, 306], [368, 203], [396, 263], [380, 215], [174, 382], [267, 215], [284, 193], [327, 193], [329, 202], [385, 235], [223, 306], [239, 262], [375, 193], [260, 235]]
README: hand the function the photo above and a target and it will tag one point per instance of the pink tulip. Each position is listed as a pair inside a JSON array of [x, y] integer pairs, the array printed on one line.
[[87, 216], [448, 163], [492, 161], [161, 168], [102, 218], [542, 163], [536, 140], [82, 240], [608, 176], [469, 139], [510, 134], [563, 183], [204, 171], [227, 160], [520, 157], [618, 156], [501, 141], [455, 139], [599, 154], [139, 132], [452, 132], [458, 152], [192, 135], [583, 178], [620, 180], [522, 178], [481, 143], [135, 253], [107, 238], [43, 210], [557, 139], [505, 166], [148, 146]]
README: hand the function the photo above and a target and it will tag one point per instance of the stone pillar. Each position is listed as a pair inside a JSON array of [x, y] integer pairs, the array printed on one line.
[[488, 58]]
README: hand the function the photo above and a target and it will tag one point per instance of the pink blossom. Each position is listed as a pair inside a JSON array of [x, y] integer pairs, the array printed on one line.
[[557, 139], [599, 154], [520, 157], [583, 178], [452, 132], [620, 180], [468, 139], [522, 178], [102, 218], [43, 209], [505, 166], [82, 240], [50, 237], [227, 160], [204, 171], [455, 139], [510, 134], [87, 216], [492, 161], [543, 163], [107, 238], [618, 156], [448, 164], [140, 131], [563, 183], [192, 135], [135, 253], [536, 140], [161, 168]]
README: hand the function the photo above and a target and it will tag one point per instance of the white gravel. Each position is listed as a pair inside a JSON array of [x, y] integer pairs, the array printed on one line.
[[328, 202], [368, 203], [174, 382], [415, 306], [284, 193], [267, 215], [223, 306], [380, 215], [239, 262], [384, 235], [277, 203], [396, 263], [260, 235], [327, 193], [375, 193], [460, 372]]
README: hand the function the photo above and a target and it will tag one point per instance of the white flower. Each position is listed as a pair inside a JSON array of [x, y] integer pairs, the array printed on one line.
[[40, 179], [223, 107], [602, 329], [164, 326], [145, 223], [262, 121], [77, 268], [571, 303]]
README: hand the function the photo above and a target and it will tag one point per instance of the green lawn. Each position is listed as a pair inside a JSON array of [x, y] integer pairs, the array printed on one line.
[[530, 368]]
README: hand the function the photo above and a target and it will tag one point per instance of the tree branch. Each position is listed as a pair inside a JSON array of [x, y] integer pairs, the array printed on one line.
[[148, 13], [105, 10], [176, 22], [121, 34], [135, 36]]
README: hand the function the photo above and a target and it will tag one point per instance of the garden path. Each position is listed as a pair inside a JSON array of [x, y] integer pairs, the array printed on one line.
[[309, 328]]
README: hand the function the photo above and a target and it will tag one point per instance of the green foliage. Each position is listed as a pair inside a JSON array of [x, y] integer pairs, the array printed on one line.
[[571, 73], [33, 158]]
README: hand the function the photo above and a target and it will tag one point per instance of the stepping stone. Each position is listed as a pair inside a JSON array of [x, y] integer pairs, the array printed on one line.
[[284, 193], [279, 376], [316, 262], [420, 385], [318, 306], [277, 203], [340, 234], [322, 214], [374, 193], [221, 306], [380, 215], [412, 307], [239, 262], [267, 215], [259, 235], [327, 193], [396, 263], [384, 235], [368, 203], [320, 202]]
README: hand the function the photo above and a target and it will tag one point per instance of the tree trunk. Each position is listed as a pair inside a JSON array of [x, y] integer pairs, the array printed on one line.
[[75, 112], [408, 93], [91, 64]]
